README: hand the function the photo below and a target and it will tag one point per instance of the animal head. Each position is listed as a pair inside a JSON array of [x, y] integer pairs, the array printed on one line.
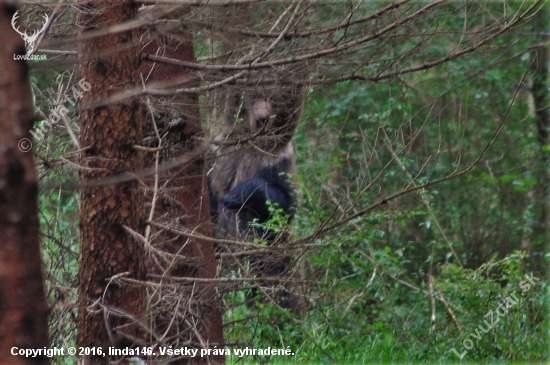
[[265, 117]]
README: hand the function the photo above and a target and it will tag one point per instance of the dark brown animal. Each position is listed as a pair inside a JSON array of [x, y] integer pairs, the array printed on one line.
[[256, 157]]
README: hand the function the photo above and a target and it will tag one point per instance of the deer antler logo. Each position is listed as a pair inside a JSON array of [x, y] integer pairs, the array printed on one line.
[[29, 39]]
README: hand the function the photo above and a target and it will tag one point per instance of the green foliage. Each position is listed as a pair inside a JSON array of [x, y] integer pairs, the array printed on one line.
[[502, 309], [58, 212], [359, 143], [277, 222], [370, 308], [450, 249]]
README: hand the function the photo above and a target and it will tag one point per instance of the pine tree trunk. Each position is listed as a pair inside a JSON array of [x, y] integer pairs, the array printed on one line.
[[183, 198], [110, 201], [23, 309]]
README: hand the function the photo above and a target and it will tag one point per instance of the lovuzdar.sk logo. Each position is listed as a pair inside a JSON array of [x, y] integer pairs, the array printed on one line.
[[30, 39]]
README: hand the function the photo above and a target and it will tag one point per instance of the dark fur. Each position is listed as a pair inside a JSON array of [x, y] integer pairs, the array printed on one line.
[[255, 160], [256, 157]]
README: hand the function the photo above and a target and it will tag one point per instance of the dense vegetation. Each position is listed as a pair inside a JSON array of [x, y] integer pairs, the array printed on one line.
[[409, 269]]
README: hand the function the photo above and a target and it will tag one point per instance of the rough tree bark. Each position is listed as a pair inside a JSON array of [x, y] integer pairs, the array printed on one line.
[[110, 63], [184, 195], [23, 309]]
